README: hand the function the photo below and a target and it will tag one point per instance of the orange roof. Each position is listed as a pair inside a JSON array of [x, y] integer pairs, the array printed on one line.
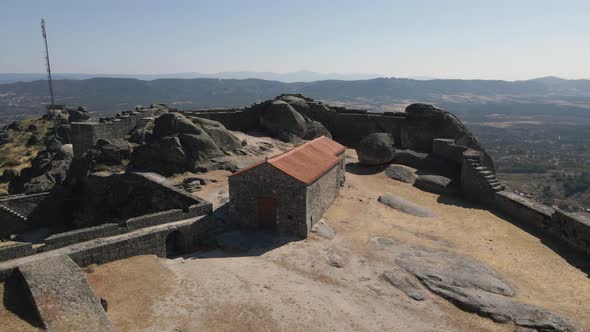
[[307, 162]]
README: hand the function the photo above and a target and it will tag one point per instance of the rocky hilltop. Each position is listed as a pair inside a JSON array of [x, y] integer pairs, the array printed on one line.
[[409, 232]]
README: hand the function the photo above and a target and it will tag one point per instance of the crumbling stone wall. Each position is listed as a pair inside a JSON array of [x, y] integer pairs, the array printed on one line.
[[145, 241], [346, 127], [15, 211], [84, 135], [237, 119], [24, 204]]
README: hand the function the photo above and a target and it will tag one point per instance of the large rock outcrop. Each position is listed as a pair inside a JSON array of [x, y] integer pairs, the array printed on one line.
[[48, 168], [376, 149], [180, 144], [425, 122]]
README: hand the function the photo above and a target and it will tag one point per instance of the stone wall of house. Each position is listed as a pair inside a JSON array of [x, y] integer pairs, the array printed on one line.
[[322, 193], [267, 181]]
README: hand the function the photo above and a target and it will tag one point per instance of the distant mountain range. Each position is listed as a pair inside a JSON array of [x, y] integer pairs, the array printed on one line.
[[290, 77], [108, 95]]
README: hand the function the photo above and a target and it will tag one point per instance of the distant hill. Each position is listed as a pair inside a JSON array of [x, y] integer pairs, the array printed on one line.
[[108, 95], [290, 77]]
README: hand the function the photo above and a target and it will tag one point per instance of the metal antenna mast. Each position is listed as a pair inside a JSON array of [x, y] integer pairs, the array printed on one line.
[[47, 60]]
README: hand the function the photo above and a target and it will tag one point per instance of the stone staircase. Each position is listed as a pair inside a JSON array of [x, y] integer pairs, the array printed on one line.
[[12, 212], [485, 173]]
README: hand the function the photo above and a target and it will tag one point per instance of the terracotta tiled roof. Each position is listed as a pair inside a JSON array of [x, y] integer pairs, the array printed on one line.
[[307, 162]]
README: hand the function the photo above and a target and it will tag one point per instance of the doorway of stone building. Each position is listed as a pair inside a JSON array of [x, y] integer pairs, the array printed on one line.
[[174, 244], [267, 213]]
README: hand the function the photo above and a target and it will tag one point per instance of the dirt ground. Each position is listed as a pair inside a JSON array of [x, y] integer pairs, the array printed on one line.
[[296, 287]]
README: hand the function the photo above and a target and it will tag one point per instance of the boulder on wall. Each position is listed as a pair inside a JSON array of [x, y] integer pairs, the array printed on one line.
[[112, 154], [62, 133], [222, 137], [426, 122], [199, 148], [315, 129], [174, 123], [79, 114], [376, 149], [280, 118], [298, 102]]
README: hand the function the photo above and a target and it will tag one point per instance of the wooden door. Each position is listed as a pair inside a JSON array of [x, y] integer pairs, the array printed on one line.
[[267, 212]]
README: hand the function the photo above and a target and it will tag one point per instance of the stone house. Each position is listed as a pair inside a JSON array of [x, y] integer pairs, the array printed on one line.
[[290, 192]]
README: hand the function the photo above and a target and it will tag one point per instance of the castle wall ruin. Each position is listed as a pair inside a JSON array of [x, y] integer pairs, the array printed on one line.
[[350, 126], [84, 135]]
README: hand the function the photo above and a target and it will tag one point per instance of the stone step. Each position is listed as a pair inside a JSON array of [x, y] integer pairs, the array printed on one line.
[[489, 177], [486, 172], [481, 168], [497, 188]]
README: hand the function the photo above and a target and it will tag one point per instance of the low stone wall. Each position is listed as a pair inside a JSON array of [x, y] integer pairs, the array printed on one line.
[[80, 235], [163, 217], [145, 241], [16, 250], [573, 228], [524, 210]]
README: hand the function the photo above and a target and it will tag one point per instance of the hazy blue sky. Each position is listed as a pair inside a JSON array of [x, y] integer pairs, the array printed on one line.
[[516, 39]]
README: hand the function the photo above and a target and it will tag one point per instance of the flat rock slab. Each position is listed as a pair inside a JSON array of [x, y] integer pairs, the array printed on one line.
[[63, 297], [401, 173], [405, 282], [324, 230], [435, 184], [475, 287], [405, 206]]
